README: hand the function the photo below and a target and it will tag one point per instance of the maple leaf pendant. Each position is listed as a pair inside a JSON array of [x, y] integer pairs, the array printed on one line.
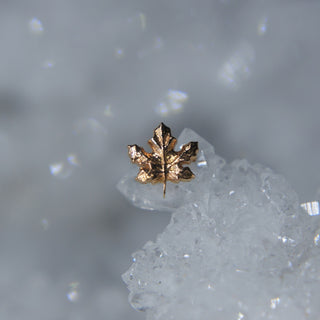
[[163, 164]]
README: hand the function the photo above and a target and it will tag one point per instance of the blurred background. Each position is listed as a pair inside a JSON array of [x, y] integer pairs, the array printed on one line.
[[79, 80]]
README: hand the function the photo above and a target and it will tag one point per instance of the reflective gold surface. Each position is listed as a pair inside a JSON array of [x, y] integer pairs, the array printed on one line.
[[163, 163]]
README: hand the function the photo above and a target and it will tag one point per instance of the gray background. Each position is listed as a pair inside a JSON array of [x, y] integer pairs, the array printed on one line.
[[80, 80]]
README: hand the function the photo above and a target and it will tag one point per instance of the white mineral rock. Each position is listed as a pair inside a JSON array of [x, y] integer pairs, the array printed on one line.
[[239, 245]]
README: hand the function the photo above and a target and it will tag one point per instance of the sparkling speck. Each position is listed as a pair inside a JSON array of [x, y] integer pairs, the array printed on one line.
[[73, 160], [237, 68], [177, 96], [64, 169], [285, 239], [162, 109], [210, 286], [274, 302], [119, 53], [312, 208], [56, 168], [48, 64], [35, 26], [262, 26], [316, 239], [240, 316], [172, 103], [73, 294], [201, 162], [186, 256]]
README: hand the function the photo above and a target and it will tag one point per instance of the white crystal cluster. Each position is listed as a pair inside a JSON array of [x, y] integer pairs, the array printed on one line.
[[239, 246]]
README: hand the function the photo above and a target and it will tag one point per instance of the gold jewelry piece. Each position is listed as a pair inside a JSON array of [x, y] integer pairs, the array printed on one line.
[[163, 164]]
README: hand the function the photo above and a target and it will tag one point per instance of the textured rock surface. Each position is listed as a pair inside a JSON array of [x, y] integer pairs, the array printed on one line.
[[238, 246]]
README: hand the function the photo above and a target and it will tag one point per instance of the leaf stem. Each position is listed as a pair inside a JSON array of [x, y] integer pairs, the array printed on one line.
[[164, 184]]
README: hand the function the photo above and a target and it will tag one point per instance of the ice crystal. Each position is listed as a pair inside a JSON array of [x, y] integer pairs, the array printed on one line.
[[239, 246]]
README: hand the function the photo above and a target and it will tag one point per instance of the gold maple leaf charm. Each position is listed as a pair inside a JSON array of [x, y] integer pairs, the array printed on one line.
[[163, 164]]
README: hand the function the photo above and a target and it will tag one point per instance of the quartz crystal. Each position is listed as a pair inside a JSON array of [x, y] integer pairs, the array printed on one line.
[[239, 245]]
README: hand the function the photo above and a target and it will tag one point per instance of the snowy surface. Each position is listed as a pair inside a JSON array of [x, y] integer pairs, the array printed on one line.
[[80, 80], [239, 246]]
